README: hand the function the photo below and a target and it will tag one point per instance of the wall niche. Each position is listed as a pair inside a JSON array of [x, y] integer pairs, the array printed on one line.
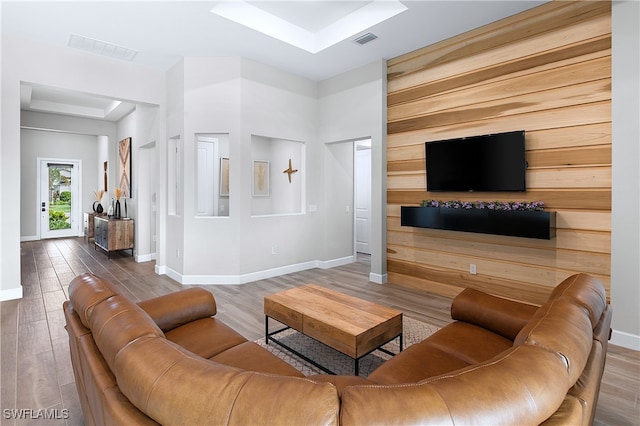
[[277, 176]]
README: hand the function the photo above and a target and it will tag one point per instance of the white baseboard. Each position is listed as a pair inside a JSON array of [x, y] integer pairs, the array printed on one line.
[[327, 264], [626, 340], [29, 238], [378, 278], [145, 257], [252, 276], [11, 294], [247, 278], [172, 274]]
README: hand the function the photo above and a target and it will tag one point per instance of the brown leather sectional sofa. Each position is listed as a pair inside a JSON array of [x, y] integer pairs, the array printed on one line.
[[169, 361]]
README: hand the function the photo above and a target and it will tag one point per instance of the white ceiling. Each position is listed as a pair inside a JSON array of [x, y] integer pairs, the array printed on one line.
[[35, 97], [162, 32]]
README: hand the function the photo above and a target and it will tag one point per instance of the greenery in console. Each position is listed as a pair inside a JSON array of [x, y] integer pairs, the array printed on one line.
[[490, 205]]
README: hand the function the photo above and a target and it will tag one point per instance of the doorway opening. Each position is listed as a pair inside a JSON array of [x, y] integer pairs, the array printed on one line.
[[362, 185], [147, 207], [348, 188], [59, 197]]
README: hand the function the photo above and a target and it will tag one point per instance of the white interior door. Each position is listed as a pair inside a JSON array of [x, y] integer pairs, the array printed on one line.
[[207, 179], [60, 199], [363, 196]]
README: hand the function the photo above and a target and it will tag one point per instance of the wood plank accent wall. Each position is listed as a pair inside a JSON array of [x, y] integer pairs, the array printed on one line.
[[546, 71]]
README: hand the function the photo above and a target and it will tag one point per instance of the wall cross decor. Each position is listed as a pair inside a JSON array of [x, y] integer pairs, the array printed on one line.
[[290, 170]]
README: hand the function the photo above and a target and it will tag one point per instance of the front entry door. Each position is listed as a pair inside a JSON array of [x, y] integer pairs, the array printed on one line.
[[59, 198]]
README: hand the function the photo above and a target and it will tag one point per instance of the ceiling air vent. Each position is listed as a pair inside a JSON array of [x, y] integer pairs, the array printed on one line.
[[365, 38], [101, 47]]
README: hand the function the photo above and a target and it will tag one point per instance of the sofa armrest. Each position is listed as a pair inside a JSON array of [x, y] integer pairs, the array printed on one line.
[[502, 316], [176, 309]]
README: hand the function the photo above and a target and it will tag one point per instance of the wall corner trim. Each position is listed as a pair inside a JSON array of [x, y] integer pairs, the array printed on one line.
[[378, 278]]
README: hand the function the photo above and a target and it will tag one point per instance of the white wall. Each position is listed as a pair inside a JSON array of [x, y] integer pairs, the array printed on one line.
[[27, 61], [279, 105], [149, 198], [211, 104], [353, 106], [284, 197], [241, 98], [625, 229], [171, 242]]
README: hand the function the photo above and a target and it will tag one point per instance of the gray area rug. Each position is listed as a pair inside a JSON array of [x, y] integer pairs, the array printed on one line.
[[413, 332]]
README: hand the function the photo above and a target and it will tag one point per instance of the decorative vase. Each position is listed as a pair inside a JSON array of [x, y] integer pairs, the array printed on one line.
[[117, 212], [97, 207]]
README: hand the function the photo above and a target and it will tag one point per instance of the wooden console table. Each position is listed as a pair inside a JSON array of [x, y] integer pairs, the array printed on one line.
[[89, 225], [113, 234]]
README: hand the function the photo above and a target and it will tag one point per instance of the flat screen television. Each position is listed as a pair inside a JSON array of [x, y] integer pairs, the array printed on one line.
[[478, 163]]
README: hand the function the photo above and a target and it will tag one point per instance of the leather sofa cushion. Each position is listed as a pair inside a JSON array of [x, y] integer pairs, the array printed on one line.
[[102, 401], [498, 392], [96, 377], [340, 381], [85, 291], [113, 319], [175, 309], [410, 404], [468, 342], [118, 410], [456, 346], [602, 330], [585, 291], [115, 322], [561, 327], [587, 387], [502, 316], [251, 357], [570, 412], [174, 386], [206, 337], [415, 363]]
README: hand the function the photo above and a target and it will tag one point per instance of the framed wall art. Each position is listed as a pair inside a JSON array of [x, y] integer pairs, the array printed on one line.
[[224, 176], [106, 179], [124, 159], [260, 178]]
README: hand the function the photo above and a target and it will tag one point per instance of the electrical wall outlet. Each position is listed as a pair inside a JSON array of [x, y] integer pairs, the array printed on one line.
[[472, 269], [274, 249]]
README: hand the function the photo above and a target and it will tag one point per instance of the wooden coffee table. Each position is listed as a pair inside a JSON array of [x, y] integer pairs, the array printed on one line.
[[350, 325]]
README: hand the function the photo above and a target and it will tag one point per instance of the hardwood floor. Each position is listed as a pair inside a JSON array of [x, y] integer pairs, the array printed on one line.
[[35, 366]]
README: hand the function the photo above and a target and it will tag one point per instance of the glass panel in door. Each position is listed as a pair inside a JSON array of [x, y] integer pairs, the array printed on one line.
[[58, 215]]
